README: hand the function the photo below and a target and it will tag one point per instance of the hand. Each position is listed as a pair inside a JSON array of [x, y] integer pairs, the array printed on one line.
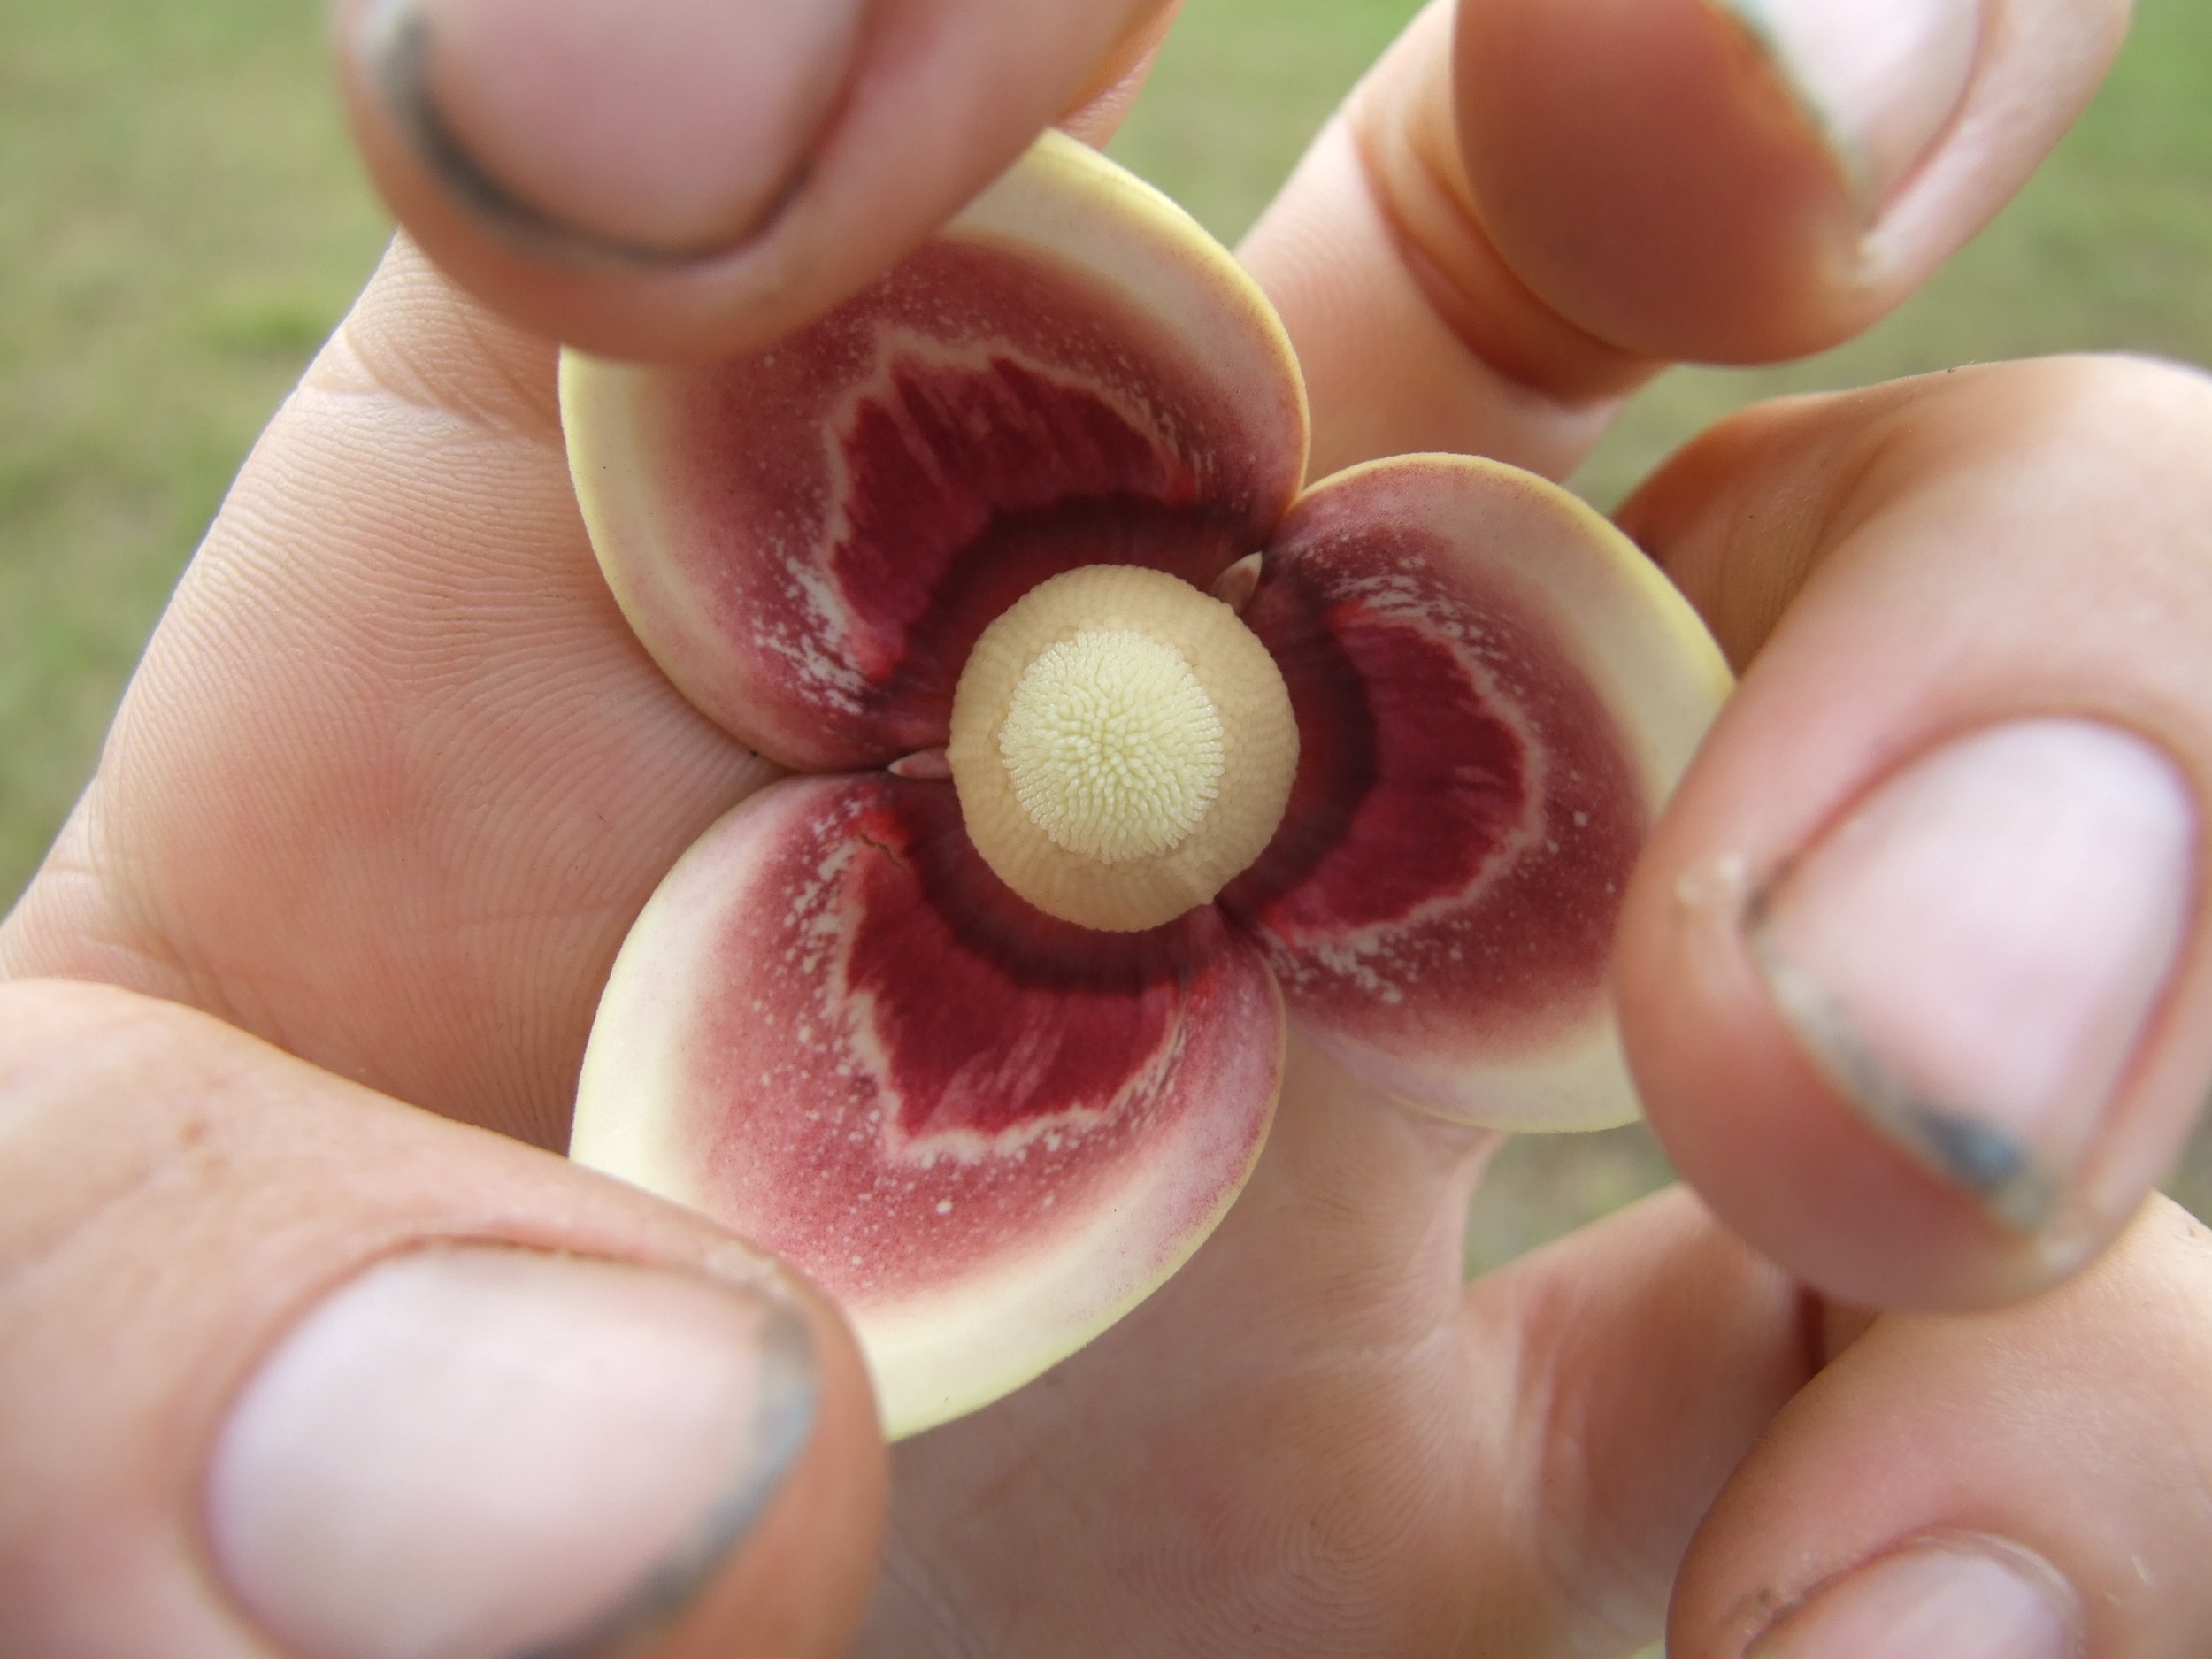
[[394, 777]]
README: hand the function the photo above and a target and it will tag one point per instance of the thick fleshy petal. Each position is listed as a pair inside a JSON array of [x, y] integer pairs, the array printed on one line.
[[1494, 690], [809, 538], [987, 1134]]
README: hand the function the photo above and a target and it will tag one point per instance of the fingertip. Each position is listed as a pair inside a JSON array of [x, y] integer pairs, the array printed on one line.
[[391, 1386], [800, 1583], [586, 130], [1749, 180], [476, 1449], [2013, 1483], [1907, 978], [1751, 1123], [1641, 170], [1098, 112], [687, 179]]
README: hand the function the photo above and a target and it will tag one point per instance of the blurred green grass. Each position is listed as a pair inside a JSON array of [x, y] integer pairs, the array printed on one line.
[[182, 221]]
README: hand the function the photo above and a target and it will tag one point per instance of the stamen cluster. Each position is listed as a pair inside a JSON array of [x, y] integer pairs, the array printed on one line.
[[1123, 746], [1113, 747]]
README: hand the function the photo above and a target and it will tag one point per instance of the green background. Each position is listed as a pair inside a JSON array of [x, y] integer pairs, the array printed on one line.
[[182, 221]]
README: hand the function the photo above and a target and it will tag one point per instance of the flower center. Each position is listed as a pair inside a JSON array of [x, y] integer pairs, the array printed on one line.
[[1113, 747], [1123, 746]]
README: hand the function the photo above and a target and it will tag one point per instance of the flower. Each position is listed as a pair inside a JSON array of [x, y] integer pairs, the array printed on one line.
[[1439, 711]]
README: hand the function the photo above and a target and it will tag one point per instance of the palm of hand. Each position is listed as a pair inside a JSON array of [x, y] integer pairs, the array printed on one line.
[[1317, 1439]]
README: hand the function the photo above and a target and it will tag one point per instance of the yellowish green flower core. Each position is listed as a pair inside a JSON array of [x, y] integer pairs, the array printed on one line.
[[1112, 745]]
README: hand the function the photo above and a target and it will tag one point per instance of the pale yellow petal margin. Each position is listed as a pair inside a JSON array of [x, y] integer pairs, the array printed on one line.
[[935, 1358], [1067, 197]]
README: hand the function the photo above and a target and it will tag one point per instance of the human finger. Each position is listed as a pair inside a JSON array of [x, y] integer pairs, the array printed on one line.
[[1528, 207], [1319, 1438], [2024, 1483], [678, 179], [286, 1364], [394, 777], [1682, 1423], [1636, 1362], [1915, 975]]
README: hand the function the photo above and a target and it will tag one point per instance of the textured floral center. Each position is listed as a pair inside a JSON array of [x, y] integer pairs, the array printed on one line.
[[1113, 747], [1123, 745]]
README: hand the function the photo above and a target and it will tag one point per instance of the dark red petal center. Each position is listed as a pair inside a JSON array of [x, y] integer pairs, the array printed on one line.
[[1463, 821], [958, 1067], [993, 1016], [867, 496]]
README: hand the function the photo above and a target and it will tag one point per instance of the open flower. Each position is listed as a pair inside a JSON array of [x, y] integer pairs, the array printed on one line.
[[983, 1028]]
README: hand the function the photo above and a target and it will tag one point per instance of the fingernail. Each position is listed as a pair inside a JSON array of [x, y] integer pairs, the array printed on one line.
[[608, 129], [479, 1453], [1879, 78], [1967, 1598], [1971, 956]]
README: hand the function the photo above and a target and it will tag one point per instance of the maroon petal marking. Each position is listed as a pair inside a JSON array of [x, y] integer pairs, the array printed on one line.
[[1438, 904], [986, 1132], [833, 522]]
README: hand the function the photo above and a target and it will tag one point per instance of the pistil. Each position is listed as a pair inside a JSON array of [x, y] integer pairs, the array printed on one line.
[[1123, 746]]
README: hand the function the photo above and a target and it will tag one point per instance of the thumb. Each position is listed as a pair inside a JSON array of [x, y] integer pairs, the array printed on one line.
[[284, 1365], [678, 179]]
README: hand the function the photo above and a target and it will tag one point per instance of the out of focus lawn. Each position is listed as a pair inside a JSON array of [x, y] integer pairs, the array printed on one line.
[[182, 221]]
